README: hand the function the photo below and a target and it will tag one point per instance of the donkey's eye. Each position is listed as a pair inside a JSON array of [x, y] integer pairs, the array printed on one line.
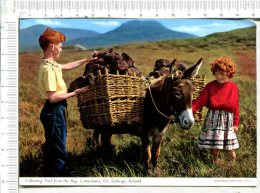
[[177, 94]]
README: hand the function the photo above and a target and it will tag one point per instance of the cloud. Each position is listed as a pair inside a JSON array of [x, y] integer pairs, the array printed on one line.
[[196, 28], [48, 22], [202, 30], [187, 28], [106, 24], [213, 25]]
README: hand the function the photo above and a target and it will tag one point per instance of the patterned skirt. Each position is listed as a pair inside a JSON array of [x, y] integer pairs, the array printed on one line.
[[218, 132]]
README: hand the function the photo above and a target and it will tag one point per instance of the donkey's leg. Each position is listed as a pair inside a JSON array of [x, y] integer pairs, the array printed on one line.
[[146, 151], [157, 142], [106, 139], [95, 138]]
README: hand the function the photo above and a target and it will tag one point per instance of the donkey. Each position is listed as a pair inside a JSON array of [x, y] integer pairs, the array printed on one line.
[[169, 96]]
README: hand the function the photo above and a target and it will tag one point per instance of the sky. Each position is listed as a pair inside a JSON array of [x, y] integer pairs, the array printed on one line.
[[198, 27]]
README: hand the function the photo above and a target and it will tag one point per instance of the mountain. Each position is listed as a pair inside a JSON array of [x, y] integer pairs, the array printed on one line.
[[29, 36], [132, 31]]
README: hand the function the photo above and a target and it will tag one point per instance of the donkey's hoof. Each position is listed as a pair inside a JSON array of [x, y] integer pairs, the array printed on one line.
[[157, 171], [147, 171]]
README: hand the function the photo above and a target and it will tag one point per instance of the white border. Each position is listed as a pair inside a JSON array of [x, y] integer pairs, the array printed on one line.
[[149, 181]]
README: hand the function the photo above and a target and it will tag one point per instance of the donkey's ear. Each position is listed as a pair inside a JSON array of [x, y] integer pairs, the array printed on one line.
[[193, 70], [172, 66]]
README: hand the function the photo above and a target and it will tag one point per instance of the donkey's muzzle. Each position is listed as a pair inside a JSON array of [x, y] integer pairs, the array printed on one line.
[[186, 119]]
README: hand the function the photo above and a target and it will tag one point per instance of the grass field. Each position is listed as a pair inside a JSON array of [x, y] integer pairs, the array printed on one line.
[[180, 155]]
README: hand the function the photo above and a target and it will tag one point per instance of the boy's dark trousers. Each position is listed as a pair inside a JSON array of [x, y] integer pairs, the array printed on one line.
[[53, 118]]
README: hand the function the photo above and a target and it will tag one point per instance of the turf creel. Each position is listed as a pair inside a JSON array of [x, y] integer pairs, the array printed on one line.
[[116, 99], [113, 99]]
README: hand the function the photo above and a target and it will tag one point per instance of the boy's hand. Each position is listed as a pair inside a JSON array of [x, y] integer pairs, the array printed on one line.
[[81, 90], [91, 59]]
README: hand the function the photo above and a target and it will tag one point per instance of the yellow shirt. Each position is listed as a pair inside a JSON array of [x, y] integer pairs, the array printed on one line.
[[50, 78]]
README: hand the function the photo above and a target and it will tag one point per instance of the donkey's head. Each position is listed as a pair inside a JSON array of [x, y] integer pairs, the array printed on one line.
[[179, 91]]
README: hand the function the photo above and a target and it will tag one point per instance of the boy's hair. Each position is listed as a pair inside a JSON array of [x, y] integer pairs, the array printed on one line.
[[50, 36], [224, 64]]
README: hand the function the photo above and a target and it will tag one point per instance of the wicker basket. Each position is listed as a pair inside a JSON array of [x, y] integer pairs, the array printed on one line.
[[119, 99], [113, 99], [199, 82]]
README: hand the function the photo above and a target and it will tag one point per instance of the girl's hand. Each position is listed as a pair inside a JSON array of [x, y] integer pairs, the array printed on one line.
[[235, 128]]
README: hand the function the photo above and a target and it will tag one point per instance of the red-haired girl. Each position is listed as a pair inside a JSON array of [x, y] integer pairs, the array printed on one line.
[[221, 97]]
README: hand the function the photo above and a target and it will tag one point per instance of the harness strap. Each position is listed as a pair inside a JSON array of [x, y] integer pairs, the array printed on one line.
[[171, 118]]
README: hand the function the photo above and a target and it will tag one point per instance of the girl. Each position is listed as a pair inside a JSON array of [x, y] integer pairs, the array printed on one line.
[[221, 98]]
